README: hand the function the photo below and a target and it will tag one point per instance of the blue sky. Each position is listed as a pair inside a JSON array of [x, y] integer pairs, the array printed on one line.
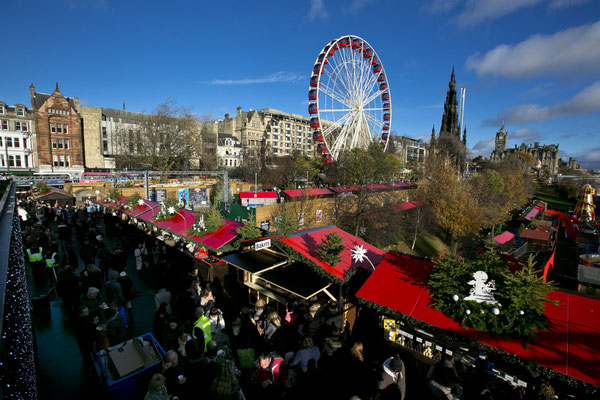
[[534, 64]]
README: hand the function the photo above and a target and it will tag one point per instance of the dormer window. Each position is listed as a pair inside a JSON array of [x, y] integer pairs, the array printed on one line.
[[20, 112], [1, 108]]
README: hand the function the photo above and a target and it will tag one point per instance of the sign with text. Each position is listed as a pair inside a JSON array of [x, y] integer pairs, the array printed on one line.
[[263, 244]]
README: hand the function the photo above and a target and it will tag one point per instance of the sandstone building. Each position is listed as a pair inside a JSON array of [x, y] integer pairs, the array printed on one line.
[[59, 138]]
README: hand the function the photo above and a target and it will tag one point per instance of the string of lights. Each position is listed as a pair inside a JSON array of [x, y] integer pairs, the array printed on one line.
[[17, 364]]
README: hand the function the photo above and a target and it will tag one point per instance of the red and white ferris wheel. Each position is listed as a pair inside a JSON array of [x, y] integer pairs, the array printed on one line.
[[349, 98]]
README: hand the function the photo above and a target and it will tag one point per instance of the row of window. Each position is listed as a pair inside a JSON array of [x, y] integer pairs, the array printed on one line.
[[20, 111], [12, 142], [60, 144], [14, 161], [59, 112], [61, 161], [59, 128], [19, 125], [229, 163]]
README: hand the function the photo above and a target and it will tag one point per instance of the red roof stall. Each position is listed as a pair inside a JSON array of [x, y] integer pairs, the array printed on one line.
[[181, 221], [258, 198], [571, 345], [307, 192], [306, 244]]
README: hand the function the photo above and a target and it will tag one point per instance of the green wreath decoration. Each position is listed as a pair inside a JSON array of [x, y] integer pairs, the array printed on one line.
[[521, 296], [168, 209]]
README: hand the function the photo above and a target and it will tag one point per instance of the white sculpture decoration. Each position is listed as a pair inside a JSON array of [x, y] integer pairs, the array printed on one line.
[[359, 253], [481, 291]]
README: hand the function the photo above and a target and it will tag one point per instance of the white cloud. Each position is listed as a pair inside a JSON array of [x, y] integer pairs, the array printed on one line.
[[589, 158], [277, 77], [525, 133], [317, 10], [560, 4], [573, 51], [587, 101], [478, 11], [484, 144]]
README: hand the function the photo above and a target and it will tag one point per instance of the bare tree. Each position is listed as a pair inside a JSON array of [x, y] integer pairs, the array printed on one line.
[[163, 140]]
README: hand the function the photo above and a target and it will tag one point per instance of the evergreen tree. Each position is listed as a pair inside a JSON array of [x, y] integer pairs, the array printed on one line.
[[330, 249], [212, 219], [287, 224], [249, 230]]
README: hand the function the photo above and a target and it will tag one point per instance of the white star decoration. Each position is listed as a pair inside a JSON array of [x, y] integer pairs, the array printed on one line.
[[171, 210], [140, 202], [359, 254]]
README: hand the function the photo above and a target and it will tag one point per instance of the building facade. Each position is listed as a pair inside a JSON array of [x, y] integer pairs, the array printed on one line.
[[59, 137], [229, 151], [269, 132], [17, 127], [409, 150], [545, 156]]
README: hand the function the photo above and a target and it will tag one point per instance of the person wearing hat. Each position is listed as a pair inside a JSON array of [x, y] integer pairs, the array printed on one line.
[[129, 292], [392, 378]]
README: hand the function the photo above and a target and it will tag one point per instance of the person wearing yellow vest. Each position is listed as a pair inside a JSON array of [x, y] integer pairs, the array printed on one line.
[[201, 330], [51, 262], [34, 256]]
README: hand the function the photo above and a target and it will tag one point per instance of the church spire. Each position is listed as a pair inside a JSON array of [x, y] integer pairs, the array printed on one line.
[[450, 118], [432, 140], [452, 83]]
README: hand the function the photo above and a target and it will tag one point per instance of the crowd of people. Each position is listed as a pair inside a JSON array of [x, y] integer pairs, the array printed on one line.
[[219, 343]]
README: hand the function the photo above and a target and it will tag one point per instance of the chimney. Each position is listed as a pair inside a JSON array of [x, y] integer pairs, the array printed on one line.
[[32, 92]]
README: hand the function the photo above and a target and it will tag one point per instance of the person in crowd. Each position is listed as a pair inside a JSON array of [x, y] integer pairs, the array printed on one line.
[[444, 382], [87, 252], [163, 296], [201, 330], [92, 301], [176, 379], [392, 379], [241, 344], [119, 257], [217, 322], [160, 322], [195, 292], [91, 276], [113, 290], [268, 378], [114, 327], [207, 301], [225, 385], [170, 336], [155, 255], [309, 351], [139, 253], [182, 341], [157, 390], [84, 327], [258, 316], [69, 288], [272, 334], [192, 276], [313, 322], [129, 292], [104, 260]]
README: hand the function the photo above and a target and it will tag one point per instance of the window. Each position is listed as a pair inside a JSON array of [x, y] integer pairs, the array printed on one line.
[[20, 112], [2, 158], [52, 128], [17, 160], [8, 141], [287, 126], [4, 124], [105, 146], [68, 161], [16, 142], [11, 161], [55, 160], [103, 131], [21, 126], [61, 161], [1, 109]]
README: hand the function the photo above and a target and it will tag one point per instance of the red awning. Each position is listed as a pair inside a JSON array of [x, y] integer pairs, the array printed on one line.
[[307, 192], [570, 346], [258, 195], [307, 243], [532, 213]]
